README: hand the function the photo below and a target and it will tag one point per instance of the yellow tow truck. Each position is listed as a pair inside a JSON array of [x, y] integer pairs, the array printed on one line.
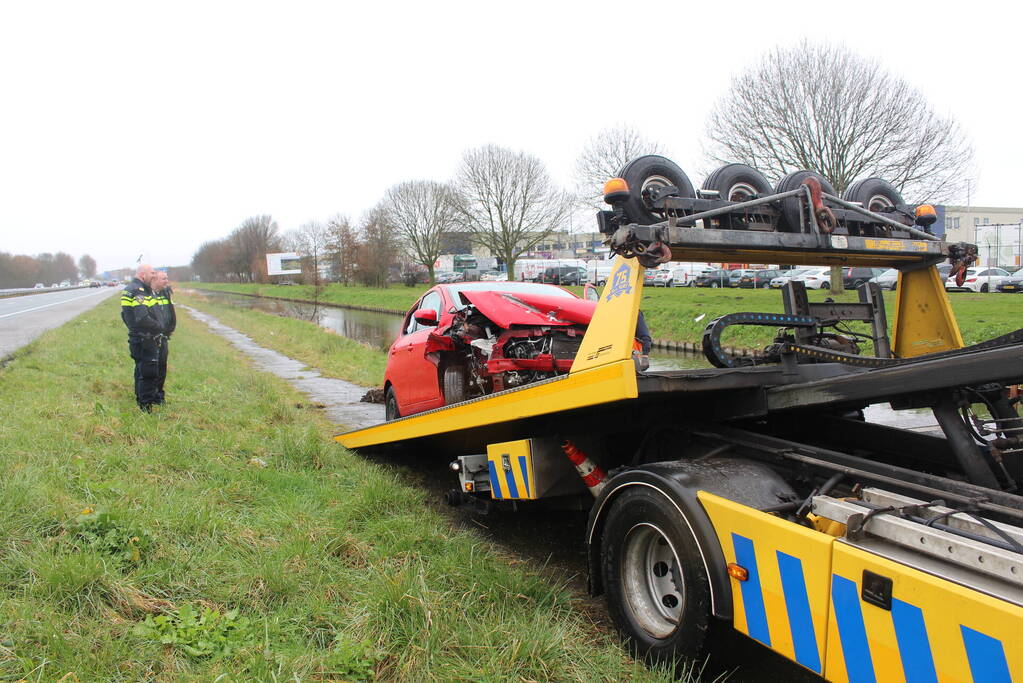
[[753, 493]]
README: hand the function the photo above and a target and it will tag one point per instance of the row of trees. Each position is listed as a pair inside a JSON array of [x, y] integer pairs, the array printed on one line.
[[20, 270], [815, 107]]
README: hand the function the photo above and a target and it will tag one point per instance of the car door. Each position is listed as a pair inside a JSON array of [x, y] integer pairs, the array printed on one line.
[[419, 373]]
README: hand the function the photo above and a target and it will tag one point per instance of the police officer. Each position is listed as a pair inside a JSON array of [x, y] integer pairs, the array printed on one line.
[[145, 333], [164, 310]]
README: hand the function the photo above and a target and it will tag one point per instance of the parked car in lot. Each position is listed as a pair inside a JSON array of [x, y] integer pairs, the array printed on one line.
[[563, 275], [737, 274], [818, 277], [978, 279], [758, 279], [1014, 284], [784, 276], [685, 276], [662, 278], [715, 279], [491, 275], [443, 276], [854, 277], [39, 285], [887, 280], [464, 340]]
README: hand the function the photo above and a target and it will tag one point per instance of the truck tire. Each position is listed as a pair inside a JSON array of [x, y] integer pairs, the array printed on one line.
[[657, 590], [736, 183], [791, 207], [454, 385], [390, 405], [645, 172], [874, 194]]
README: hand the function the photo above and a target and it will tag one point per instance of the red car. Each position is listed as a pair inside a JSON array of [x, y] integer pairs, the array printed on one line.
[[469, 339]]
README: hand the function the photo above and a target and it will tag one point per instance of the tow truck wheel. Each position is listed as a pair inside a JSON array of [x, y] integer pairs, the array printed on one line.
[[390, 405], [646, 173], [791, 207], [657, 591]]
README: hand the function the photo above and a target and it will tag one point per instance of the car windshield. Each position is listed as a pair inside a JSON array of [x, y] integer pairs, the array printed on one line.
[[510, 287], [1018, 273]]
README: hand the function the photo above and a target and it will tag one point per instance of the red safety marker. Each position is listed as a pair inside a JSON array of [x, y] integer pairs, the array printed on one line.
[[592, 475]]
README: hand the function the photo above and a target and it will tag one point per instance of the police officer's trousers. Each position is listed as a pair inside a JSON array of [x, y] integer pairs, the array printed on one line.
[[146, 354]]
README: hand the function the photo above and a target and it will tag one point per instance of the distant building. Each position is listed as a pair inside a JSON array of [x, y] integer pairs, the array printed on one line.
[[960, 223]]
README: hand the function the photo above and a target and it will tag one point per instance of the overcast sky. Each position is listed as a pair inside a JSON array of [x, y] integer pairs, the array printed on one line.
[[143, 128]]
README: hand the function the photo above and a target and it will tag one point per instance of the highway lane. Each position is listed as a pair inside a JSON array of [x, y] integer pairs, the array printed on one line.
[[23, 318]]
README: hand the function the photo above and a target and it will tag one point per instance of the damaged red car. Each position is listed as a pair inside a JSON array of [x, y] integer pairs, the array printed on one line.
[[470, 339]]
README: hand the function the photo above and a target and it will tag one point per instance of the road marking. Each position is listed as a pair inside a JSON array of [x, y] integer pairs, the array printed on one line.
[[55, 303]]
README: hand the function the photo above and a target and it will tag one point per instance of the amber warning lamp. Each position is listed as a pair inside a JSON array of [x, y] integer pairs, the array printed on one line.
[[737, 572], [616, 190], [926, 215]]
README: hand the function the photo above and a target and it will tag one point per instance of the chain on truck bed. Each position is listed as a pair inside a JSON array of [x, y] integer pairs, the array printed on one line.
[[716, 354]]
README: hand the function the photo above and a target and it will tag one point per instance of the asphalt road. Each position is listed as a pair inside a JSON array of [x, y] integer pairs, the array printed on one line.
[[23, 318]]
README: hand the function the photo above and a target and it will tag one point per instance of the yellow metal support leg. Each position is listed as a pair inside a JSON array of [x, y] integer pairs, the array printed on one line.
[[924, 322]]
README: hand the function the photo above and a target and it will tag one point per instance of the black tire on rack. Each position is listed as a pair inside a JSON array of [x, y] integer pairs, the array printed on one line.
[[874, 194], [736, 183], [645, 172], [791, 207]]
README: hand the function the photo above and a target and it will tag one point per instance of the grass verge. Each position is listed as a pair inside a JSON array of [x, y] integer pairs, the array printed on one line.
[[225, 537], [330, 353]]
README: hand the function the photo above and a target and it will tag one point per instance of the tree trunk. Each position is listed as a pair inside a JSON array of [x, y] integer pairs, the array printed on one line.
[[837, 283], [509, 265], [429, 269]]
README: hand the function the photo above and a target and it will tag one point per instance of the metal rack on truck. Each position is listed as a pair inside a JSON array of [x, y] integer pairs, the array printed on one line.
[[753, 493]]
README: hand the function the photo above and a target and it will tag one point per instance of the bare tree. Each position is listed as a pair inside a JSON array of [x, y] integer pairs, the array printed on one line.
[[250, 242], [824, 108], [602, 158], [342, 248], [379, 248], [309, 241], [506, 201], [422, 211], [87, 266]]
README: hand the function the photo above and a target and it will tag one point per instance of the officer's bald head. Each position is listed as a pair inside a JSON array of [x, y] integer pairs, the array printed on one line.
[[145, 272]]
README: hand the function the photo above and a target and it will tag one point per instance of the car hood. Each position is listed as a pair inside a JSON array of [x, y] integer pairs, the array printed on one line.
[[519, 308]]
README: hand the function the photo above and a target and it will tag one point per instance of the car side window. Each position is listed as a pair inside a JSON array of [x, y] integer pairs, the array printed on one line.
[[430, 302]]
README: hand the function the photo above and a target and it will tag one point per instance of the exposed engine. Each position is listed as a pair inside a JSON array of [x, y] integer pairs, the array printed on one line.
[[494, 358]]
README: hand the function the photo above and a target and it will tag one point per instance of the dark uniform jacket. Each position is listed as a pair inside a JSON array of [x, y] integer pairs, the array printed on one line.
[[164, 310], [137, 303]]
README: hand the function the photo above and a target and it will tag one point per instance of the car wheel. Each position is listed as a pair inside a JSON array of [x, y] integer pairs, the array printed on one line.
[[390, 405], [657, 590], [983, 289], [737, 183], [692, 283], [714, 285], [454, 385], [601, 283], [645, 173], [825, 285], [791, 207], [766, 285]]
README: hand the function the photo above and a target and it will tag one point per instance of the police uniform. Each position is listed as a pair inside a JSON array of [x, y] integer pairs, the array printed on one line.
[[164, 310], [145, 336]]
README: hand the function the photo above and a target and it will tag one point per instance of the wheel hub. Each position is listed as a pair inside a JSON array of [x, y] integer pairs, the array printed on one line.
[[652, 580]]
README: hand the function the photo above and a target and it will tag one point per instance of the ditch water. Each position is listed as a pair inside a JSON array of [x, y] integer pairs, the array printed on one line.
[[380, 329]]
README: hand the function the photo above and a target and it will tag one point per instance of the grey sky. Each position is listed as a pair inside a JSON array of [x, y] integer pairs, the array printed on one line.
[[130, 128]]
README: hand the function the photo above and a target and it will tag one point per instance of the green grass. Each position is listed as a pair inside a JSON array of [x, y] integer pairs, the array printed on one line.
[[330, 353], [396, 298], [671, 312], [316, 566]]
